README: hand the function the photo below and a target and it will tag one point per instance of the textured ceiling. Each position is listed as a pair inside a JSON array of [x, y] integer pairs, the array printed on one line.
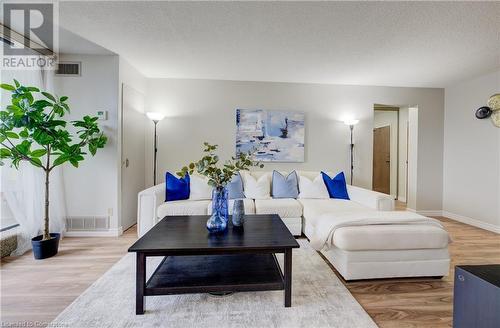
[[419, 44]]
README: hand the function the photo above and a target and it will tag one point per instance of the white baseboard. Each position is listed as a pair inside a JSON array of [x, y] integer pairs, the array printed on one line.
[[430, 213], [426, 212], [115, 232], [472, 222]]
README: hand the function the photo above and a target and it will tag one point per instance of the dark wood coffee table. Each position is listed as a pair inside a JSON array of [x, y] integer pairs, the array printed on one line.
[[239, 260]]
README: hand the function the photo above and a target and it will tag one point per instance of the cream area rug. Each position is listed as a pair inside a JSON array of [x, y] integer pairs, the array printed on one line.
[[319, 299]]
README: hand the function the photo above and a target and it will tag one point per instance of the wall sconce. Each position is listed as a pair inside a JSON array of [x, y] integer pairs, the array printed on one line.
[[492, 110]]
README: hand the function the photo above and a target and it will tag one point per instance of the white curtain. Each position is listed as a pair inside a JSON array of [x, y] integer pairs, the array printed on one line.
[[24, 189]]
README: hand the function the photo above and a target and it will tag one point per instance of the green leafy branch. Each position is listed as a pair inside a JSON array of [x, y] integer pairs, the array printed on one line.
[[218, 177]]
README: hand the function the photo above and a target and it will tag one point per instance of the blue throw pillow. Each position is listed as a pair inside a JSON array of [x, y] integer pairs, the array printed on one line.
[[285, 187], [176, 188], [235, 187], [337, 187]]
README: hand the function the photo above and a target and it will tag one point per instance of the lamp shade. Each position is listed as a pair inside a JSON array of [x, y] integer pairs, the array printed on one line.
[[351, 122], [155, 116]]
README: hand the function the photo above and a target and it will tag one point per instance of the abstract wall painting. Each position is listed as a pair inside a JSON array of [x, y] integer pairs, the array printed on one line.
[[273, 136]]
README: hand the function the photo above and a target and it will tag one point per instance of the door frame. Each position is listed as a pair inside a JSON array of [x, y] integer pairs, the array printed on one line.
[[120, 159]]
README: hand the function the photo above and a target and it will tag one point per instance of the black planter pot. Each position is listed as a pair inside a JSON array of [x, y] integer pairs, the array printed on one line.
[[43, 249]]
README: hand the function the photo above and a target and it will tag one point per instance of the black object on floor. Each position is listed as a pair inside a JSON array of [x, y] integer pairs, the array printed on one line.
[[476, 300]]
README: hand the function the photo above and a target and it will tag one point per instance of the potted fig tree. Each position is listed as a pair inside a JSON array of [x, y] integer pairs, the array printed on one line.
[[33, 129]]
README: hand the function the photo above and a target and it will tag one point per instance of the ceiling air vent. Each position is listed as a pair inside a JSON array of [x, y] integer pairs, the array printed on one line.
[[69, 68]]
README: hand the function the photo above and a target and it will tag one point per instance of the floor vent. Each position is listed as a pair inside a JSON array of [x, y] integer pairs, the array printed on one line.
[[93, 223], [69, 68]]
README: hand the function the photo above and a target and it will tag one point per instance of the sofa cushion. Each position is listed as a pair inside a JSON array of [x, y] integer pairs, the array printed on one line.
[[235, 187], [284, 207], [313, 208], [257, 188], [312, 188], [337, 187], [183, 207], [247, 203], [284, 186], [390, 237], [199, 188], [176, 188]]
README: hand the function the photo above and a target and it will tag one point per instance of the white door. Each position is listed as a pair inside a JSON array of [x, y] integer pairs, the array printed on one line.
[[133, 153]]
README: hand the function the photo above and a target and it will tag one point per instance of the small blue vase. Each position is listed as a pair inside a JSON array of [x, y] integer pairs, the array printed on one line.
[[238, 213], [220, 213]]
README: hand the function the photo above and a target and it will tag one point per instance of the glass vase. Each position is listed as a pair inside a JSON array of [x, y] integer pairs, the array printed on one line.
[[238, 216], [220, 214]]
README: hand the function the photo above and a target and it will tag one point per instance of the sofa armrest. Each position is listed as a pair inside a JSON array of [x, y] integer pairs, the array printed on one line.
[[148, 202], [372, 199]]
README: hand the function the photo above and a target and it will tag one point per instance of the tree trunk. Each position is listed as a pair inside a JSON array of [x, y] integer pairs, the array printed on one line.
[[46, 234]]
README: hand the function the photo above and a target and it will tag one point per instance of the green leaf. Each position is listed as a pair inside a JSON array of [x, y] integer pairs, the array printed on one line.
[[24, 133], [49, 96], [7, 87], [11, 135], [74, 162], [36, 162], [23, 147], [54, 123], [92, 148], [4, 153], [38, 152], [63, 98], [60, 160], [17, 83]]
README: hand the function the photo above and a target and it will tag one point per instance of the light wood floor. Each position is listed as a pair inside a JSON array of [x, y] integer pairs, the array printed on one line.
[[426, 302], [36, 291]]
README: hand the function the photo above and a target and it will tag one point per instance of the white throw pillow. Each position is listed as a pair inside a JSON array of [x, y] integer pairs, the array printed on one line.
[[199, 188], [257, 188], [315, 189]]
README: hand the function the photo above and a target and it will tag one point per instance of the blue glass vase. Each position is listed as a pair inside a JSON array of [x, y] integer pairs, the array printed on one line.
[[238, 217], [220, 213]]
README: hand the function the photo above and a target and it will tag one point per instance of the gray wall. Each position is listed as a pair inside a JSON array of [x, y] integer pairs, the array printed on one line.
[[471, 180], [204, 110]]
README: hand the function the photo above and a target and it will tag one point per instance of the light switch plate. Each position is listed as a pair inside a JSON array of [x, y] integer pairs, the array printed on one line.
[[102, 114]]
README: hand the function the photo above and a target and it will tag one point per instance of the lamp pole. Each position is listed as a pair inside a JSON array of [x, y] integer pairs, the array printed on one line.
[[351, 123], [351, 127], [155, 117], [155, 160]]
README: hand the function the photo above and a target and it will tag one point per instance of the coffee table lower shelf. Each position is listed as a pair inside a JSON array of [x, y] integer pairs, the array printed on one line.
[[215, 273]]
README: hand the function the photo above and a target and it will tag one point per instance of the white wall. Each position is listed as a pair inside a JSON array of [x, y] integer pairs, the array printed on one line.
[[471, 154], [91, 190], [99, 87], [414, 157], [402, 153], [383, 118], [204, 110]]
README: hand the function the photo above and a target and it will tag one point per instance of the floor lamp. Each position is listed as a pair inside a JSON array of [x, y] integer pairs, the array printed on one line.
[[155, 117], [351, 124]]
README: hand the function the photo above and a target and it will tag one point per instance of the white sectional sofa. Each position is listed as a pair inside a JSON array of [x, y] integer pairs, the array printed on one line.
[[359, 252], [152, 206]]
